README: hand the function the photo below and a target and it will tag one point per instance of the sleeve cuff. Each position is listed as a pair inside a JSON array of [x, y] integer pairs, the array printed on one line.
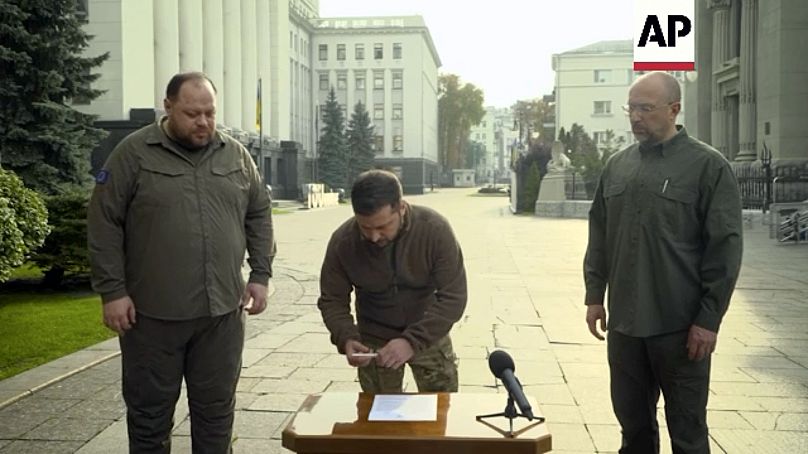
[[111, 296], [594, 297], [708, 320], [257, 277]]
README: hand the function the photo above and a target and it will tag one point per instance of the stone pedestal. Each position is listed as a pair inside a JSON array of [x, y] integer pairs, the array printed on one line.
[[551, 194]]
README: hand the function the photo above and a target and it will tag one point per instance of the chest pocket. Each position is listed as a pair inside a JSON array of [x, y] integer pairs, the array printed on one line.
[[160, 185], [675, 211], [229, 182]]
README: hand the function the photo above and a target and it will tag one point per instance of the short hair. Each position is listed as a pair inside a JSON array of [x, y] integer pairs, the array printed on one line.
[[671, 86], [375, 189], [174, 85]]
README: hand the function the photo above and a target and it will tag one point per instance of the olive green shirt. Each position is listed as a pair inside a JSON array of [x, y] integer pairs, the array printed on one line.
[[172, 234], [665, 237]]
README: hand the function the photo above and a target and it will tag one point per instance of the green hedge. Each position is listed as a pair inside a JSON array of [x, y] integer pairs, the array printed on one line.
[[23, 222]]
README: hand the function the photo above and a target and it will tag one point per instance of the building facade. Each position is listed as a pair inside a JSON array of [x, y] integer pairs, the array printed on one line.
[[238, 43], [390, 65], [750, 85]]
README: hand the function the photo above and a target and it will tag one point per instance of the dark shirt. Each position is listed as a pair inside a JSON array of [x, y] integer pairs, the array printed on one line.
[[172, 234], [665, 237]]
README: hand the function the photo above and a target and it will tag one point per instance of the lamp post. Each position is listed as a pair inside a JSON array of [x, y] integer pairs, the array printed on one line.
[[766, 161]]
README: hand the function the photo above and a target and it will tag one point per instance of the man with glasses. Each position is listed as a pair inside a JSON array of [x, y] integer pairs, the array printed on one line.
[[405, 268], [665, 238]]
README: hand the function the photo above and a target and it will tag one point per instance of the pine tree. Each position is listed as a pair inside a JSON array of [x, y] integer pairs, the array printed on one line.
[[332, 149], [42, 68], [360, 143]]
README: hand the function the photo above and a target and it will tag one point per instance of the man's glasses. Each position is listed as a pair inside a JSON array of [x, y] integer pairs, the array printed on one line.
[[643, 108]]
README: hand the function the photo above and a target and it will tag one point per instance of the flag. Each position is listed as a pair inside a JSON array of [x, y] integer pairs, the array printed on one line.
[[258, 109]]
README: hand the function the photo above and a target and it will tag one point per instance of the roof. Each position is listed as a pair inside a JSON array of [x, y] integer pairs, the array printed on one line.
[[622, 46]]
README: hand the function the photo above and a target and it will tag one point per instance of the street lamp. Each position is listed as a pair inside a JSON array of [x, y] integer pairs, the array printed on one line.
[[766, 161]]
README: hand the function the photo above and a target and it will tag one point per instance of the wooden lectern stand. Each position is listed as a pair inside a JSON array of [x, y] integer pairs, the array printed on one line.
[[337, 423]]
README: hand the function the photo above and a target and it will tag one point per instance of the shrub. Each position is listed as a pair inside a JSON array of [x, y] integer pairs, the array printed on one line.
[[65, 249], [23, 222]]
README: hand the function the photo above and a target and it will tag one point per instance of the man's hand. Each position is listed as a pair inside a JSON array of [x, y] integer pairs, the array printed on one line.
[[354, 346], [119, 315], [595, 312], [254, 300], [393, 355], [700, 343]]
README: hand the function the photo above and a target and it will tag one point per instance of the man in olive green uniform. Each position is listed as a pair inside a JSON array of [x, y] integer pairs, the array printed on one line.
[[406, 269], [665, 237], [173, 211]]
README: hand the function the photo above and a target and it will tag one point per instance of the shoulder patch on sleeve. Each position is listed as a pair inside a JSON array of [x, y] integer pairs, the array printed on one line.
[[102, 177]]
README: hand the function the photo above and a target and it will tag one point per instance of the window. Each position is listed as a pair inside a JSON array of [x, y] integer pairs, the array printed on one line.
[[378, 51], [291, 40], [398, 112], [359, 52], [378, 144], [603, 76], [398, 143], [599, 137], [82, 11], [340, 51], [397, 51], [378, 111], [342, 81], [360, 81], [603, 107], [398, 80], [378, 80], [322, 111], [323, 51], [323, 81]]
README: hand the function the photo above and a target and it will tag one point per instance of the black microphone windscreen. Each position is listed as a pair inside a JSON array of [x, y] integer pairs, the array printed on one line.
[[498, 361]]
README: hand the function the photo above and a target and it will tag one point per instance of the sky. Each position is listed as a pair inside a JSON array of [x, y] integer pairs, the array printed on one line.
[[504, 47]]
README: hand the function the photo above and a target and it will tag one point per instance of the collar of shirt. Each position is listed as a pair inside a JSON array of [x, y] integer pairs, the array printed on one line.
[[670, 146]]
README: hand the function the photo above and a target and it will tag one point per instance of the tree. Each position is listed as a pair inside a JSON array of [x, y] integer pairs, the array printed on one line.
[[360, 143], [531, 116], [459, 108], [585, 157], [332, 149], [23, 222], [42, 138], [530, 190]]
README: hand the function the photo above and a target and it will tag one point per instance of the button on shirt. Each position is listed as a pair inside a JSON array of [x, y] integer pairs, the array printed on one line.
[[665, 238]]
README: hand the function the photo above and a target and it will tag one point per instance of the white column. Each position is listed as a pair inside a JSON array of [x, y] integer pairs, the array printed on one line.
[[279, 68], [191, 40], [166, 46], [748, 79], [249, 65], [721, 43], [263, 49], [213, 50], [232, 63]]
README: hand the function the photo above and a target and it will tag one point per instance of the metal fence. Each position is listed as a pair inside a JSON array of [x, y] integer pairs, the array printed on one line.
[[574, 187]]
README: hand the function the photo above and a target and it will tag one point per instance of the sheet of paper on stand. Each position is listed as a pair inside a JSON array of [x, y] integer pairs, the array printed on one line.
[[404, 407]]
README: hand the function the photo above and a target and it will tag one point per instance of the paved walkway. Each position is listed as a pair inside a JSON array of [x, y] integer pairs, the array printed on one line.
[[525, 297]]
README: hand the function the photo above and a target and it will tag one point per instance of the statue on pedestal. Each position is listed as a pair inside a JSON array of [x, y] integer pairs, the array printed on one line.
[[559, 162]]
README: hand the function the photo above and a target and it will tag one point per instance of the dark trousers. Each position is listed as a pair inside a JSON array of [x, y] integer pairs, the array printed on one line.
[[156, 355], [640, 368]]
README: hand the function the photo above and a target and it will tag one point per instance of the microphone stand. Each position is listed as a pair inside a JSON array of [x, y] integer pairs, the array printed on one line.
[[510, 413]]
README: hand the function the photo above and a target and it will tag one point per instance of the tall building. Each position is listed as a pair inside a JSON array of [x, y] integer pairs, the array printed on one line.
[[591, 85], [750, 85], [485, 134], [239, 42], [390, 65]]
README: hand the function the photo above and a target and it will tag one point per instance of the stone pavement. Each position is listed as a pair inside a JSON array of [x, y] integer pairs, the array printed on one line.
[[525, 297]]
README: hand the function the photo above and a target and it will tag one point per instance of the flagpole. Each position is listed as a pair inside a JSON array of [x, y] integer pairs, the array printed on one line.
[[260, 124]]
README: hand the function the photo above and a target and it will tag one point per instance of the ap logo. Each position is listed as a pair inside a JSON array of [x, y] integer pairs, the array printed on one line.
[[664, 35]]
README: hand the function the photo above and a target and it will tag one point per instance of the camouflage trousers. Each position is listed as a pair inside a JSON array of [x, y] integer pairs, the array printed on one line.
[[434, 370]]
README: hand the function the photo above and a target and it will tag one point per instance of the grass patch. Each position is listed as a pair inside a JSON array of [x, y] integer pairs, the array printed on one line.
[[281, 211], [38, 327], [27, 272], [489, 194]]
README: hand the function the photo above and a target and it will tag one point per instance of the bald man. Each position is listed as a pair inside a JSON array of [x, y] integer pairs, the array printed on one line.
[[665, 238]]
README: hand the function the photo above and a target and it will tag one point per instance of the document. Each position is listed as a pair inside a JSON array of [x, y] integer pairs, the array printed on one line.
[[404, 407]]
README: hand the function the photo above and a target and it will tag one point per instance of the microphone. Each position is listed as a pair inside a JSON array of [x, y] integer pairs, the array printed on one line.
[[501, 365]]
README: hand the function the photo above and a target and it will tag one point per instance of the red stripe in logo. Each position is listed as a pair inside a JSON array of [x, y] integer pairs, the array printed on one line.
[[664, 66]]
